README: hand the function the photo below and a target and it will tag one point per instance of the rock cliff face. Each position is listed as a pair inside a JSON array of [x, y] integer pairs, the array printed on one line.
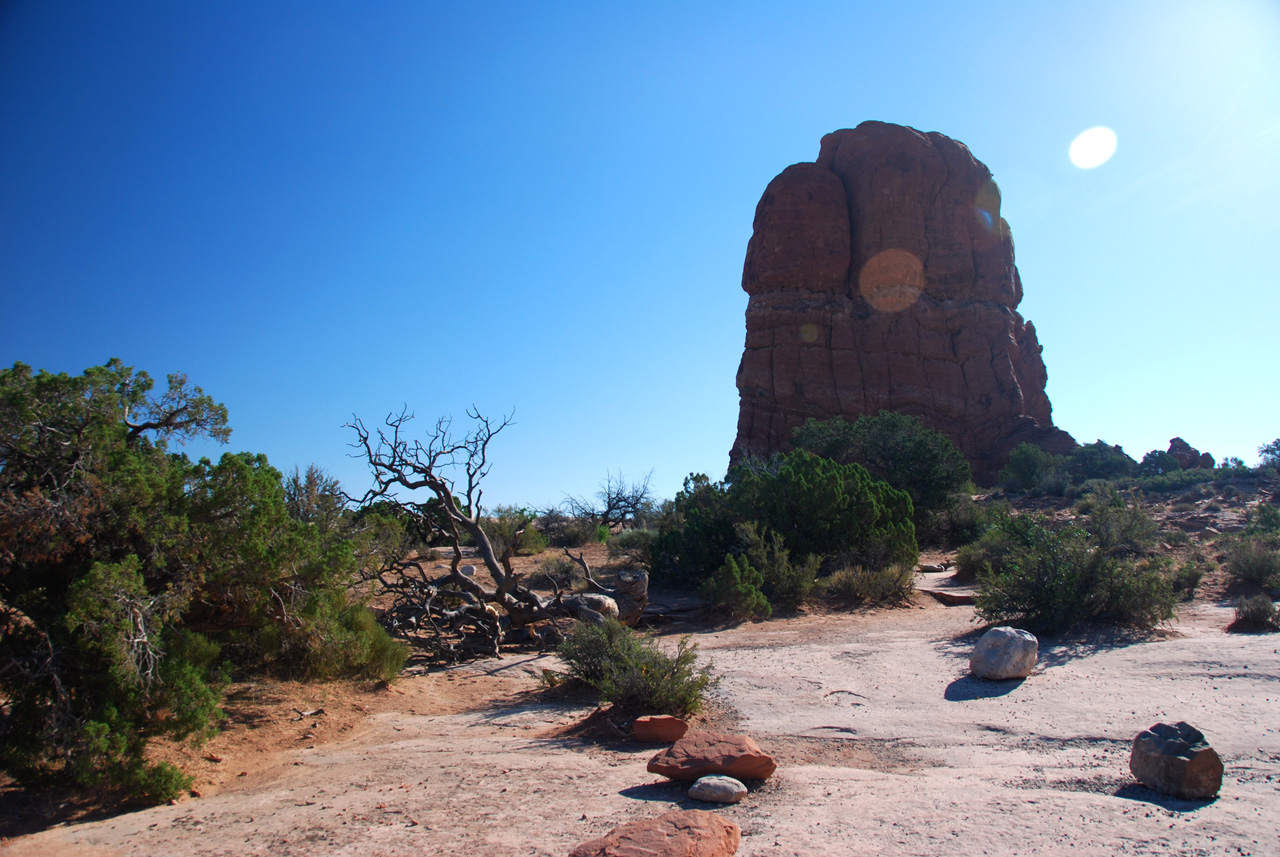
[[882, 278]]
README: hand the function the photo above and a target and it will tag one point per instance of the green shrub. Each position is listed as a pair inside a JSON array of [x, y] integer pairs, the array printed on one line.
[[896, 448], [1182, 507], [633, 673], [1255, 561], [563, 531], [817, 506], [1158, 462], [1050, 580], [1270, 454], [1264, 518], [1100, 460], [785, 584], [892, 584], [1186, 579], [561, 571], [602, 533], [1256, 614], [735, 590], [1030, 468], [1120, 526], [633, 547]]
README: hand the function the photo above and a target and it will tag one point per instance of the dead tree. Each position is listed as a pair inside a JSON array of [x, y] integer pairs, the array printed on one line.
[[617, 503], [454, 613]]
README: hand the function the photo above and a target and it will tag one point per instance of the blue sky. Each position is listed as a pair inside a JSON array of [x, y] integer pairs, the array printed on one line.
[[320, 209]]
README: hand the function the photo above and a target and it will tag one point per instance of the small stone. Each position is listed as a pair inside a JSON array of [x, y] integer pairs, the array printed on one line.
[[1176, 760], [679, 833], [467, 571], [718, 790], [659, 729], [707, 753], [1005, 653], [932, 569]]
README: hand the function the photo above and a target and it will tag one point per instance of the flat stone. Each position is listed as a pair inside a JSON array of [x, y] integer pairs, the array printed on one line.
[[679, 833], [1176, 760], [718, 790], [659, 729], [1005, 653], [703, 754]]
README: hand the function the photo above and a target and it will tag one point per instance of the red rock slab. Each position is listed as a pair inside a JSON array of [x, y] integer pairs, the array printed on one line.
[[659, 729], [679, 833], [708, 753]]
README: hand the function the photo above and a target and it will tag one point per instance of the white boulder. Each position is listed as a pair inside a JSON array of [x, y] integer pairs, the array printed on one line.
[[1004, 653], [718, 789]]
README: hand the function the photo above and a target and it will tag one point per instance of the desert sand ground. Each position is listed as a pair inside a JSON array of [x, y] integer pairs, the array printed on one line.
[[885, 747]]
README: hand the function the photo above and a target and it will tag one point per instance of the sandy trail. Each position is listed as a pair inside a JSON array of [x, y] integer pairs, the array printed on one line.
[[886, 748]]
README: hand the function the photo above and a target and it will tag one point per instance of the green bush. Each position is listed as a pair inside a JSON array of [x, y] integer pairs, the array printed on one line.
[[1270, 454], [563, 531], [735, 590], [561, 571], [1256, 614], [1050, 579], [1157, 462], [785, 584], [1100, 460], [898, 449], [1120, 526], [1255, 561], [513, 526], [1264, 518], [633, 673], [115, 549], [633, 547], [1185, 580], [817, 506], [892, 584], [1032, 469]]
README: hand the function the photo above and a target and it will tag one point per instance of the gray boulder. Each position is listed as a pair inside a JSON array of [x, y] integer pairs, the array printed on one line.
[[718, 789], [1176, 760], [1004, 653]]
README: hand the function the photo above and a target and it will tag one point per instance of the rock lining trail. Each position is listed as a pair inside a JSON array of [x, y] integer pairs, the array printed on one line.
[[884, 744]]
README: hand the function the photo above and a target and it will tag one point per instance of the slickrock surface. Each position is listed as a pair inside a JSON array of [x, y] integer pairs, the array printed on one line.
[[882, 278]]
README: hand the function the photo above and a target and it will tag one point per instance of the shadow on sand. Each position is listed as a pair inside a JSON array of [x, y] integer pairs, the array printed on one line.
[[970, 687], [1138, 792]]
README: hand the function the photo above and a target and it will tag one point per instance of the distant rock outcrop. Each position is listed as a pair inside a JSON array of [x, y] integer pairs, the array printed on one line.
[[882, 278], [1188, 457]]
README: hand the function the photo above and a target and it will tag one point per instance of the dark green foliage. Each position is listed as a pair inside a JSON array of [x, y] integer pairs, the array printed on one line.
[[896, 448], [1173, 480], [1032, 469], [118, 551], [513, 526], [1254, 560], [1157, 462], [631, 672], [817, 506], [785, 583], [1050, 579], [1256, 614], [892, 584], [735, 590], [1100, 460], [1270, 453]]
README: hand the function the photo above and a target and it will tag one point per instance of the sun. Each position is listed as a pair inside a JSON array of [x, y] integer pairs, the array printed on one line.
[[1093, 148]]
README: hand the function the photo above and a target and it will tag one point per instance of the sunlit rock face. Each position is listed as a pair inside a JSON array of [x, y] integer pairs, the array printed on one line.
[[882, 278]]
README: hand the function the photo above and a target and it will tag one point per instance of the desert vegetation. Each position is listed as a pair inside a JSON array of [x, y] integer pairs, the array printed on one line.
[[136, 583]]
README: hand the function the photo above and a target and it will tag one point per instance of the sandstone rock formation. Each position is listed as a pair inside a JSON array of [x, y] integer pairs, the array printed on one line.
[[1188, 457], [1176, 759], [702, 754], [679, 833], [1005, 653], [882, 278]]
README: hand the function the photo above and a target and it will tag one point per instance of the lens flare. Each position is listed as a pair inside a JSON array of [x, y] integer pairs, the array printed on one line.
[[891, 280], [1092, 148]]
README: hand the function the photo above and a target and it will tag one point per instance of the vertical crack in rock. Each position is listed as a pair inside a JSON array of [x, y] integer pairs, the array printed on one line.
[[882, 275]]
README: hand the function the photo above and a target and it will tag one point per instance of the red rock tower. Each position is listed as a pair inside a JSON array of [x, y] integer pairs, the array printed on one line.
[[882, 278]]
